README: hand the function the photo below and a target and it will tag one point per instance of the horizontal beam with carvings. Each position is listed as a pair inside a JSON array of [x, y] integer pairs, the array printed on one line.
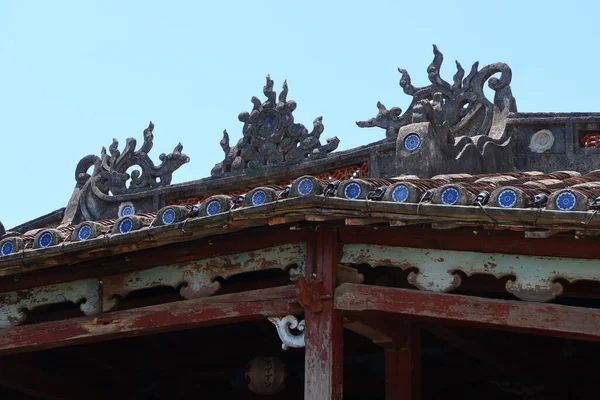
[[231, 308], [199, 277], [515, 316], [534, 277]]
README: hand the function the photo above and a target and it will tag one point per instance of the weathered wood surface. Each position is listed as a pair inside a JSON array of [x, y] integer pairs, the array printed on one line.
[[310, 206], [540, 319], [84, 292], [187, 251], [535, 277], [484, 241], [199, 276], [180, 315], [324, 330], [403, 366]]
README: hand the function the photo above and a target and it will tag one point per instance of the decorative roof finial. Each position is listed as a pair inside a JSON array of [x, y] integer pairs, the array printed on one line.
[[271, 138]]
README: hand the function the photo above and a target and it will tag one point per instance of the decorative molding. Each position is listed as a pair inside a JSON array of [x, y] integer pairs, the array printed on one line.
[[110, 182], [535, 278], [457, 109], [284, 326], [85, 292], [541, 141], [198, 278], [271, 138]]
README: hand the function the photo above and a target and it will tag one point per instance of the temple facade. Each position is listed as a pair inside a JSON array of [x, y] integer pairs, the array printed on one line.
[[453, 258]]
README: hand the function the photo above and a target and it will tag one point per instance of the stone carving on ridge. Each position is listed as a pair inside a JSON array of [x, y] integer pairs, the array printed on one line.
[[271, 137], [458, 128], [107, 185]]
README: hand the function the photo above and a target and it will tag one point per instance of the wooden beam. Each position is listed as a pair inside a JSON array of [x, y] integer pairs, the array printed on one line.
[[506, 242], [403, 367], [324, 330], [174, 316], [534, 318]]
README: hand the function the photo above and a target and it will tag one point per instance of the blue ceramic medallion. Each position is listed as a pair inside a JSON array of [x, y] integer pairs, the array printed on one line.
[[45, 240], [127, 210], [305, 186], [507, 198], [352, 191], [450, 196], [412, 141], [84, 232], [125, 225], [259, 197], [7, 248], [213, 207], [566, 201], [168, 216], [400, 193]]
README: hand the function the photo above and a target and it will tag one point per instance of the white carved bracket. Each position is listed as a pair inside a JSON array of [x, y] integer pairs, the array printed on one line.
[[284, 326]]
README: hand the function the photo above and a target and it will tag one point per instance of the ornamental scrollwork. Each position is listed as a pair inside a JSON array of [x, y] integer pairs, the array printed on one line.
[[454, 109], [284, 330], [271, 137], [110, 169]]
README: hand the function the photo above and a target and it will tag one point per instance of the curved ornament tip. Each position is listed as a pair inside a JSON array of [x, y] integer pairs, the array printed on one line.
[[284, 326]]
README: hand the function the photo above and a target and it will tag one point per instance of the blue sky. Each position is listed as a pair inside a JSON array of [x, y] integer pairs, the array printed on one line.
[[75, 74]]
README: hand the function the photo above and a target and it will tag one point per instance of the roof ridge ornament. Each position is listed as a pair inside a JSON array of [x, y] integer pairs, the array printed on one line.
[[109, 184], [457, 109], [271, 138], [110, 170], [451, 128]]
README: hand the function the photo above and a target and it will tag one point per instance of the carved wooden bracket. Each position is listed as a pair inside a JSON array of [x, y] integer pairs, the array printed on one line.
[[534, 278], [14, 304], [310, 294], [197, 278], [283, 326]]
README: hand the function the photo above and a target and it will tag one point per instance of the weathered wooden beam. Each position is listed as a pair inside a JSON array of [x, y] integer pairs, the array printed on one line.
[[324, 330], [174, 316], [104, 261], [541, 319], [403, 366], [534, 277], [506, 242]]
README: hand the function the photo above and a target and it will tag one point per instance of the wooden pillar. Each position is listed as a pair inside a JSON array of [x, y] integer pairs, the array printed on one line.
[[324, 330], [403, 366]]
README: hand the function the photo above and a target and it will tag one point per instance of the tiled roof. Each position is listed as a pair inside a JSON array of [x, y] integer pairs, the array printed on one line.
[[558, 201]]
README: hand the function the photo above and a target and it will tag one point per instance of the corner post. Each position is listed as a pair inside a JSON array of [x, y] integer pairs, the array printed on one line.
[[324, 330]]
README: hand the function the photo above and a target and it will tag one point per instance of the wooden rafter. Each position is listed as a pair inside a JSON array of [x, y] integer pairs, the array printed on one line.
[[535, 318]]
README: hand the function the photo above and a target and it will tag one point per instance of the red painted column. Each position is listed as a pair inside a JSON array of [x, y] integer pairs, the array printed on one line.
[[324, 330], [403, 366]]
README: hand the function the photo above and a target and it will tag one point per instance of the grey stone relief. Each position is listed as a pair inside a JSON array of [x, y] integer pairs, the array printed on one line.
[[110, 184], [451, 127], [271, 138]]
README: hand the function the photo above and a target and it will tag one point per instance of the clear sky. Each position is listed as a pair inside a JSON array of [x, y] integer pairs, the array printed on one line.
[[75, 74]]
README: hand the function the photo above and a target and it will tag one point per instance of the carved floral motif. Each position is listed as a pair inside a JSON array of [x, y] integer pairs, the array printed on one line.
[[110, 170], [271, 137]]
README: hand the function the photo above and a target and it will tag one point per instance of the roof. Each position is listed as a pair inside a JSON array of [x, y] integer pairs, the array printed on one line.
[[453, 158]]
